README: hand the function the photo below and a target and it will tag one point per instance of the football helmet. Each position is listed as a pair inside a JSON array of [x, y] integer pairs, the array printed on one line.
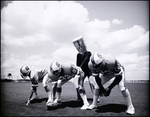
[[25, 71], [96, 59], [55, 68]]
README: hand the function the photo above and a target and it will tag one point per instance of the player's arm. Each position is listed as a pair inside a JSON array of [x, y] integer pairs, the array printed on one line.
[[30, 96], [118, 73], [45, 83], [81, 76], [33, 90], [51, 94], [98, 81], [86, 59]]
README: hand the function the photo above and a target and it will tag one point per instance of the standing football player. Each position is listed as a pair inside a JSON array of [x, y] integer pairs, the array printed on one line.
[[83, 58], [108, 67], [35, 76], [62, 73]]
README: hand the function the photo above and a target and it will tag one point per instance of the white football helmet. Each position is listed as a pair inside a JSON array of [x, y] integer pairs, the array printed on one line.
[[25, 71], [96, 59], [55, 68]]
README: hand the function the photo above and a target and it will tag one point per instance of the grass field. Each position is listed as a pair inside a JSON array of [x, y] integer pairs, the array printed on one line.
[[14, 95]]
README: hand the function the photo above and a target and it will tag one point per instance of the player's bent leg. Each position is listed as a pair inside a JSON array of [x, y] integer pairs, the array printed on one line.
[[95, 99], [59, 89], [76, 84], [58, 98], [126, 95], [95, 93], [78, 94], [84, 98], [85, 101], [92, 83]]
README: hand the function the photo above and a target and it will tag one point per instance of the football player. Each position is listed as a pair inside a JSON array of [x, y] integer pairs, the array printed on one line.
[[108, 67], [83, 58], [62, 73], [35, 76]]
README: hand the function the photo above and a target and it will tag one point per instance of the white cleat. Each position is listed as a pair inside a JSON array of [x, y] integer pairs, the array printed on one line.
[[91, 107], [85, 106], [130, 110], [57, 101]]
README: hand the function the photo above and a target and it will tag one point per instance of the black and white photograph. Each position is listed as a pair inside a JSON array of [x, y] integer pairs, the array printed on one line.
[[75, 58]]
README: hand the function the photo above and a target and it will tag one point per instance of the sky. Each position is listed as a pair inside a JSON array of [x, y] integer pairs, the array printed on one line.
[[39, 32]]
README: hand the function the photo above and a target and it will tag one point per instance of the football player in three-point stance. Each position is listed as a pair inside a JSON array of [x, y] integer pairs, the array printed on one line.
[[103, 69], [35, 76], [62, 73]]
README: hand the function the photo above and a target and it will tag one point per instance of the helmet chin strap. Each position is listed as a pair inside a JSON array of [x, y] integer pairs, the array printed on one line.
[[100, 65]]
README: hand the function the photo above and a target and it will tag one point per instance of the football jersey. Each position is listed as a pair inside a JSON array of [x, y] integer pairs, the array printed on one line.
[[37, 75], [82, 62], [52, 77], [70, 70], [67, 70]]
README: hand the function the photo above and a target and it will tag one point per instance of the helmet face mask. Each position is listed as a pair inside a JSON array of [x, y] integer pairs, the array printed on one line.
[[25, 71], [56, 73], [96, 60], [55, 68], [25, 74]]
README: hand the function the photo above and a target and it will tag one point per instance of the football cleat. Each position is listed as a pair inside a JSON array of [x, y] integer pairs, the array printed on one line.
[[85, 106], [91, 107], [57, 101], [130, 110]]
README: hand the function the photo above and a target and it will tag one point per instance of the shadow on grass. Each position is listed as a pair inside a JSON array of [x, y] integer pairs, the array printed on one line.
[[38, 100], [72, 104], [117, 108]]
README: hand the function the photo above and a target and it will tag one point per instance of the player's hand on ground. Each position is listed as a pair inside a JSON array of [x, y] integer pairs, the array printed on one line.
[[107, 92]]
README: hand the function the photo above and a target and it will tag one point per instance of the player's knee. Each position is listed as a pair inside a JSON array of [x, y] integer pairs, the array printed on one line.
[[44, 84], [34, 88], [96, 92], [46, 88], [122, 87], [96, 86], [126, 93]]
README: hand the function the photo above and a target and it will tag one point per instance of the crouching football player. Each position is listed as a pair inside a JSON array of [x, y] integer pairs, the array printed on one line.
[[35, 76], [63, 73], [108, 67]]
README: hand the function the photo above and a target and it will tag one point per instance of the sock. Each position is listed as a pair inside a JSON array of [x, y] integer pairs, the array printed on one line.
[[84, 98]]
